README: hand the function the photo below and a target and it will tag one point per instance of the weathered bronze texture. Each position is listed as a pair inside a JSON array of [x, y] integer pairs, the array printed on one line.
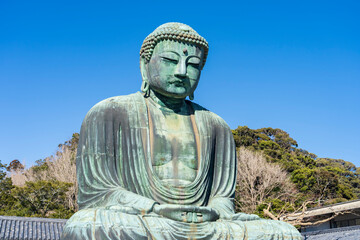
[[157, 166]]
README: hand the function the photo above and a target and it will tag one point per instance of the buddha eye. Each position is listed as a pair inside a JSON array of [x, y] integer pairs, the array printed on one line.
[[171, 60], [194, 62], [195, 65], [169, 57]]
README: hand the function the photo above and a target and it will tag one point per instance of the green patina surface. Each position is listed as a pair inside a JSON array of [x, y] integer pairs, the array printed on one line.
[[156, 166]]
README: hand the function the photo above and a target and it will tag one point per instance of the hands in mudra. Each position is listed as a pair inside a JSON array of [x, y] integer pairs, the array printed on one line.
[[186, 213]]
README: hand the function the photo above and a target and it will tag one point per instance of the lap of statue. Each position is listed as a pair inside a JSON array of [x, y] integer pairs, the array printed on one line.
[[105, 223]]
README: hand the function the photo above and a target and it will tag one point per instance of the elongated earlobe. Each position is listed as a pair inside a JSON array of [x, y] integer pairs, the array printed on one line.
[[191, 96], [145, 88]]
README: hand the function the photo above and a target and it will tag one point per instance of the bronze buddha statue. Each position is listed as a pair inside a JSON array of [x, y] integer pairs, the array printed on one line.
[[153, 165]]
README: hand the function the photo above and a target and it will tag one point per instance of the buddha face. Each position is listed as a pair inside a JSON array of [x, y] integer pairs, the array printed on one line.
[[174, 68]]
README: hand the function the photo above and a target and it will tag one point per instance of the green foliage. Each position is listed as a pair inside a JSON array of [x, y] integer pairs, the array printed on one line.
[[276, 206], [42, 199], [41, 165], [2, 171], [14, 166], [348, 172], [276, 144], [322, 183], [72, 143], [6, 198]]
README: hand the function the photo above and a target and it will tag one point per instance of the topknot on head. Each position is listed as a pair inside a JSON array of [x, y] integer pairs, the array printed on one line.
[[174, 26], [173, 31]]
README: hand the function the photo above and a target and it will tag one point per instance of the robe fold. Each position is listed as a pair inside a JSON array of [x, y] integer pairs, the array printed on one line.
[[118, 186]]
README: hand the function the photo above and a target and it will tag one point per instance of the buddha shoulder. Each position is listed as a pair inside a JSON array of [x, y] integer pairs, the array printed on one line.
[[115, 105], [213, 117]]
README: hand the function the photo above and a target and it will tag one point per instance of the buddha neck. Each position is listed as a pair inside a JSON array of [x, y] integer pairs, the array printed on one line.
[[167, 103]]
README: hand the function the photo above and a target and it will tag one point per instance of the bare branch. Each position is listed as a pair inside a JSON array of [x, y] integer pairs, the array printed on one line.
[[257, 180]]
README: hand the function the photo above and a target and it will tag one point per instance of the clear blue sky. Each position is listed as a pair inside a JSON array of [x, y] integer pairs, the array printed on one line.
[[293, 65]]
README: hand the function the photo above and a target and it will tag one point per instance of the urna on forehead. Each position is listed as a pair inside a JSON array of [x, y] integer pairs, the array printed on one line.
[[173, 31]]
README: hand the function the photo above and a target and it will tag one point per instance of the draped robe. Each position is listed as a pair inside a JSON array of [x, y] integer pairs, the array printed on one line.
[[118, 186]]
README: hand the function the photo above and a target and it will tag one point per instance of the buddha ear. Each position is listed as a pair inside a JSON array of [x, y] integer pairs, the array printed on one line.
[[144, 69], [144, 74]]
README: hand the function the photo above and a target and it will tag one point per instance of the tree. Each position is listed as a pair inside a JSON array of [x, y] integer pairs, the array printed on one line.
[[299, 217], [43, 198], [320, 180], [276, 145], [7, 200], [15, 166], [58, 170], [259, 181]]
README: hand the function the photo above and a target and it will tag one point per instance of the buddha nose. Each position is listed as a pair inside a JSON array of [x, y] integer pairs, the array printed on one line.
[[181, 69]]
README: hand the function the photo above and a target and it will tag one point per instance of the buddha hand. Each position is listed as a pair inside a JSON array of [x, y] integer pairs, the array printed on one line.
[[186, 213]]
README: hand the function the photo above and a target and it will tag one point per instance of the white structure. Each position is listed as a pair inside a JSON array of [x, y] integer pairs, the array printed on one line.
[[349, 215]]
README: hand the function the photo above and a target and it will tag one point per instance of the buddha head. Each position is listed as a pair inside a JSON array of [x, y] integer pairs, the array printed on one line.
[[171, 60]]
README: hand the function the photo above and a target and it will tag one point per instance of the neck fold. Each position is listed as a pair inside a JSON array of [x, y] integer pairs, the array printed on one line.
[[174, 104]]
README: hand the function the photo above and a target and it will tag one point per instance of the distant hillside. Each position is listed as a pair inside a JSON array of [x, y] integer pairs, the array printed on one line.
[[320, 181]]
